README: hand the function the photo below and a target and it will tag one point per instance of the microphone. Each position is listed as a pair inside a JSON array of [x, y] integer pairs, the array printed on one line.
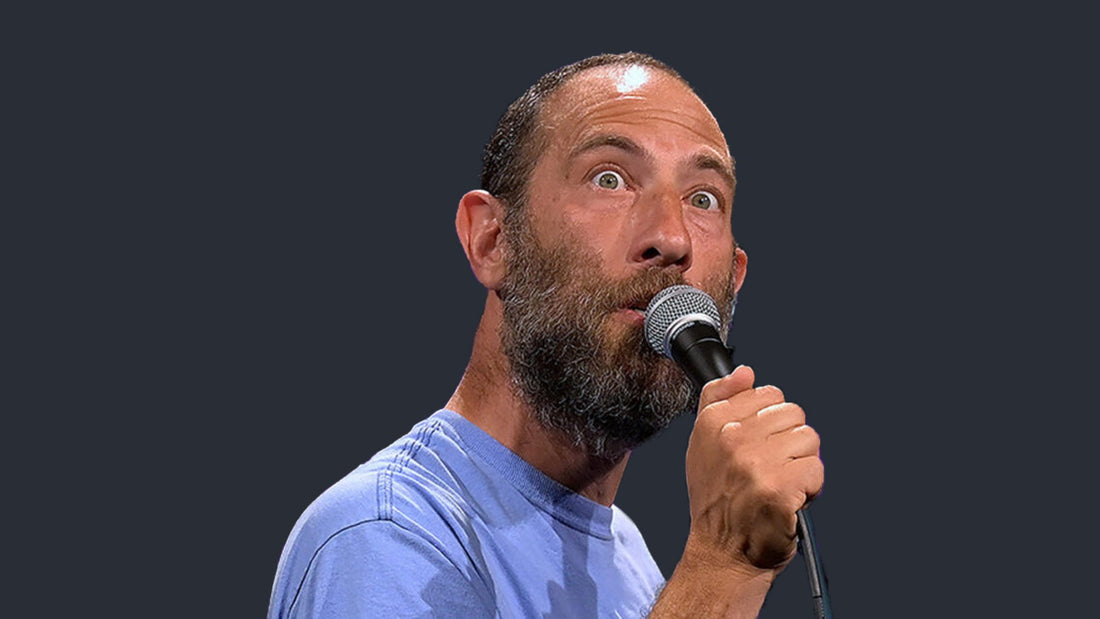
[[682, 323]]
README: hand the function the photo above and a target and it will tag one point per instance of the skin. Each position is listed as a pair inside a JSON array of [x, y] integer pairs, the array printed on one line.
[[751, 461]]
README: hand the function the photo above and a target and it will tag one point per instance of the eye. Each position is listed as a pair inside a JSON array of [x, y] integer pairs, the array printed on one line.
[[608, 180], [704, 200]]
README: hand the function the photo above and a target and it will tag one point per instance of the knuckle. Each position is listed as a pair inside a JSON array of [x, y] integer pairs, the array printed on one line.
[[705, 410], [707, 394], [770, 393], [813, 476], [797, 413], [730, 434], [730, 428], [810, 434], [718, 389], [788, 412], [712, 414], [767, 411], [819, 470]]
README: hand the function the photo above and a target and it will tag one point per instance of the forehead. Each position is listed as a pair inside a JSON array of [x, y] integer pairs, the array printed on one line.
[[632, 99]]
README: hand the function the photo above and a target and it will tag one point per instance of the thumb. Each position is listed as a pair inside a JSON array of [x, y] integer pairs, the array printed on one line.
[[726, 387]]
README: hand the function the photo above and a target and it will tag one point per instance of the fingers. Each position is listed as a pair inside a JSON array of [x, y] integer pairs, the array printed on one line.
[[718, 389], [733, 398], [780, 417], [798, 442], [808, 474], [752, 462], [750, 440], [777, 438]]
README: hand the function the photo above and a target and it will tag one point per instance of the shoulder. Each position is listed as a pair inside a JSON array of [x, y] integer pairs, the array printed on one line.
[[411, 483], [399, 508]]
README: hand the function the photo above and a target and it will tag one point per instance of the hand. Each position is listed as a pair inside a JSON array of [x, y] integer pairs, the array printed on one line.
[[752, 462]]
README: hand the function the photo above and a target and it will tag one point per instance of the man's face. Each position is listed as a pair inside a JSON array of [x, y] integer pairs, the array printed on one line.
[[633, 194]]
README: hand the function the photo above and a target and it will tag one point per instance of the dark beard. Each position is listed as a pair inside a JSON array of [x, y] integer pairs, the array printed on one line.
[[600, 385]]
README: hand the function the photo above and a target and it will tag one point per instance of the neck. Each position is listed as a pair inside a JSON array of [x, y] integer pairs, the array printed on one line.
[[486, 398]]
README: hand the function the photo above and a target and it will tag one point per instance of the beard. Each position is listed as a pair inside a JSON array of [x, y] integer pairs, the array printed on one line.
[[584, 374]]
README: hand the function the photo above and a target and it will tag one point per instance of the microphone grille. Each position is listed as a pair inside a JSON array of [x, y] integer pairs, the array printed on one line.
[[670, 305]]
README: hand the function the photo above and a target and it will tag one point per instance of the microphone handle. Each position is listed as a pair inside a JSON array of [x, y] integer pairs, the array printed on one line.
[[699, 350]]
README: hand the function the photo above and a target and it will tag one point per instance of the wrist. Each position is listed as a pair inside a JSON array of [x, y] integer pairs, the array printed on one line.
[[706, 558], [707, 582]]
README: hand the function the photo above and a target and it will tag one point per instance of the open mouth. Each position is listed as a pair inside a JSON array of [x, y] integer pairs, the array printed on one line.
[[636, 307], [640, 304]]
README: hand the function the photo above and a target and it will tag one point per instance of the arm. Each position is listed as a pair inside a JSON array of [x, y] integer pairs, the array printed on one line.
[[752, 462], [704, 585]]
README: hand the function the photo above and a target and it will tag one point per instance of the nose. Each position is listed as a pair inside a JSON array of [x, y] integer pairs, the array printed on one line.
[[662, 238]]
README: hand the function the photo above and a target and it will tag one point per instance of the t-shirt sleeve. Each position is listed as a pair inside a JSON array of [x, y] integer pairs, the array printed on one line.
[[380, 569]]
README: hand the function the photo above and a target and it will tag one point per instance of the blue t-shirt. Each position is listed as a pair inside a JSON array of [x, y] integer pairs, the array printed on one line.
[[448, 522]]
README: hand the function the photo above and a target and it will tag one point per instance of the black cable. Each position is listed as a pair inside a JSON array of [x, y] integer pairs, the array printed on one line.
[[807, 545]]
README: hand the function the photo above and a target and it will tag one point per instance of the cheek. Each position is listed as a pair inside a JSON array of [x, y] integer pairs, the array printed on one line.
[[597, 246], [713, 258], [600, 232]]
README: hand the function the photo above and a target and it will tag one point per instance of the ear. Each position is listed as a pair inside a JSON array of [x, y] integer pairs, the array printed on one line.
[[740, 268], [478, 223]]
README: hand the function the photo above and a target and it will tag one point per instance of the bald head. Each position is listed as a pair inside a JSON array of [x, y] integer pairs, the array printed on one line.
[[522, 133], [584, 112]]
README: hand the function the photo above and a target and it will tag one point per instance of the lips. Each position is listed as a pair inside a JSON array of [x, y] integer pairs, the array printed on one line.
[[634, 297], [631, 316], [637, 307], [639, 304]]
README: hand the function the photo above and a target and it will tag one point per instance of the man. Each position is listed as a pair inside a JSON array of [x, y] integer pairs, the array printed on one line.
[[604, 183]]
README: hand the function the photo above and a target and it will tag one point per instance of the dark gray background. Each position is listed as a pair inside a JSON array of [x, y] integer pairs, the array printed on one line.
[[248, 282]]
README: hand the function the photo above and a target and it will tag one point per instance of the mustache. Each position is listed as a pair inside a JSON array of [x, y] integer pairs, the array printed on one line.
[[636, 291]]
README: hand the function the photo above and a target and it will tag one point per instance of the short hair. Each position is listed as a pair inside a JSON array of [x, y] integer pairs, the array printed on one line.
[[512, 152]]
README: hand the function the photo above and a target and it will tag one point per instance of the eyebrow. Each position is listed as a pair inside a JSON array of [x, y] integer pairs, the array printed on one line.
[[609, 139], [701, 161], [727, 171]]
